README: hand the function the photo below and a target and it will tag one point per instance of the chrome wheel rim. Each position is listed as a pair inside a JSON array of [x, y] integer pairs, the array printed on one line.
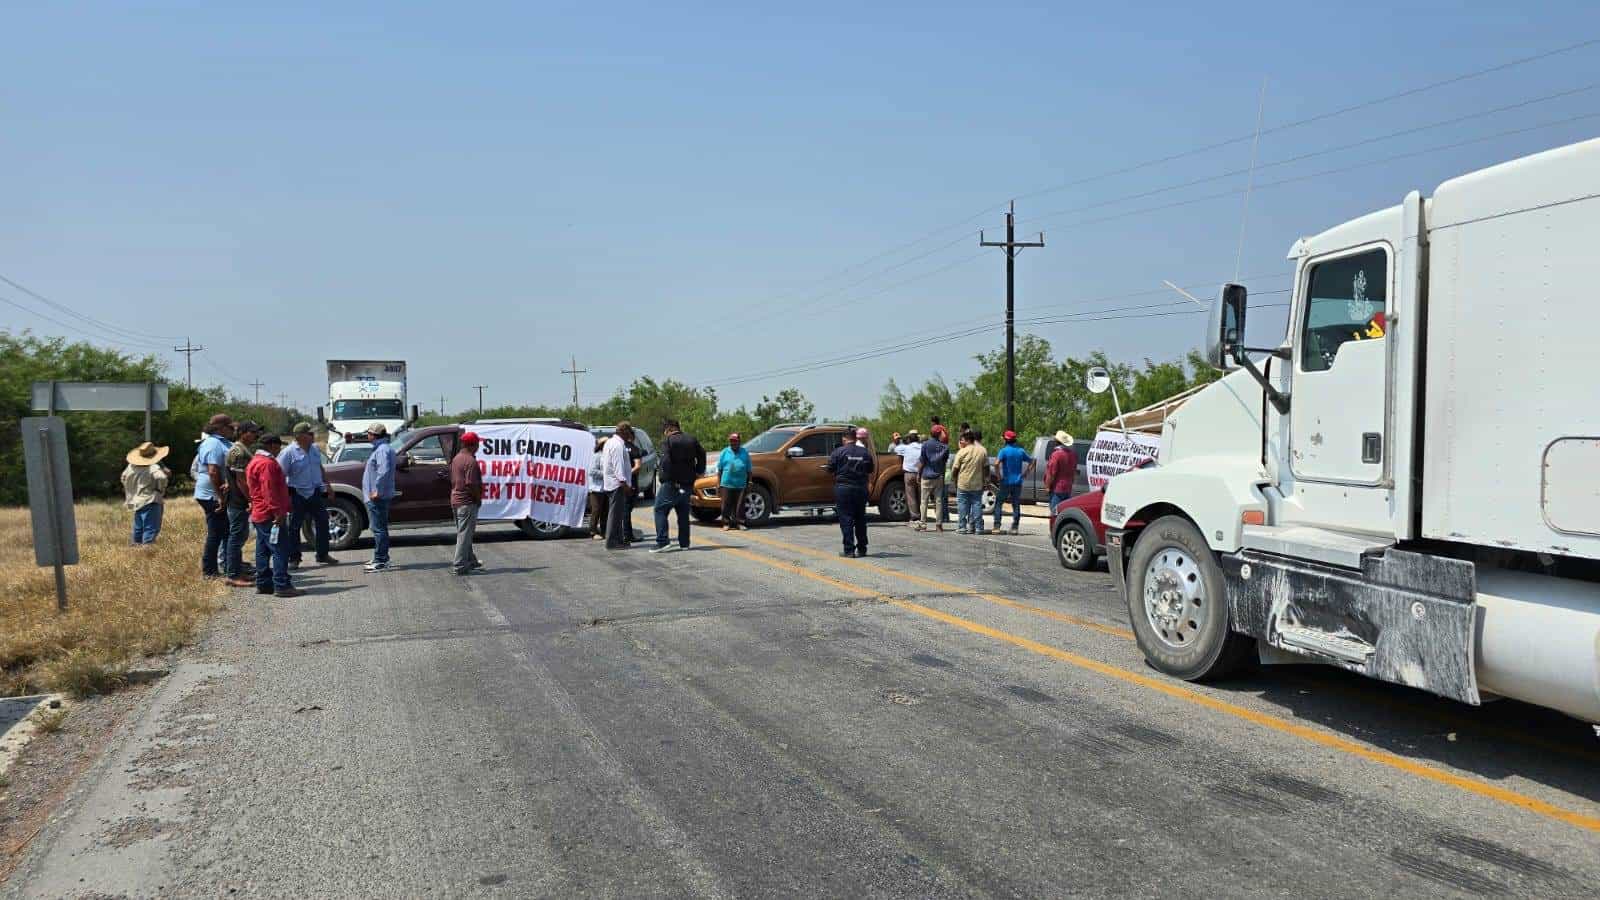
[[1072, 545], [339, 525], [897, 503], [988, 501], [755, 506], [547, 527], [1175, 604]]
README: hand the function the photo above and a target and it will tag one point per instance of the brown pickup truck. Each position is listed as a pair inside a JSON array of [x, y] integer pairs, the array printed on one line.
[[786, 473]]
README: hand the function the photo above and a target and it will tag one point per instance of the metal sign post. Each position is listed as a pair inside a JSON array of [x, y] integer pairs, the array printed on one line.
[[55, 529]]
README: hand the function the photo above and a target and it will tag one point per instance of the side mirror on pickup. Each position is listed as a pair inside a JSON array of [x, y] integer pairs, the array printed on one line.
[[1225, 327], [404, 461], [321, 419], [796, 452]]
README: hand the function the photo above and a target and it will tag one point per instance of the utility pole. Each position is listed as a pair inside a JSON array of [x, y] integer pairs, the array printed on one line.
[[480, 388], [258, 385], [188, 350], [441, 404], [574, 372], [283, 400], [1012, 247]]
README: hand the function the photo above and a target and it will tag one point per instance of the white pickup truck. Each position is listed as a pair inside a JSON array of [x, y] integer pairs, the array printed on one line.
[[1408, 485]]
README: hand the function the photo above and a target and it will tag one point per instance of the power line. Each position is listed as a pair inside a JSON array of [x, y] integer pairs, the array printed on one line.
[[73, 328], [104, 326]]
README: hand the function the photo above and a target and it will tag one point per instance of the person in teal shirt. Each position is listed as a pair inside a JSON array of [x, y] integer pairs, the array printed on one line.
[[1011, 465], [733, 476]]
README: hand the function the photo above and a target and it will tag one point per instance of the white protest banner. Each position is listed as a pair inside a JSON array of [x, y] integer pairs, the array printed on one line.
[[538, 472], [1114, 453]]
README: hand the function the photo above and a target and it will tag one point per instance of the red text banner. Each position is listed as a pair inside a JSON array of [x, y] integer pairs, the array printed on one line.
[[537, 472]]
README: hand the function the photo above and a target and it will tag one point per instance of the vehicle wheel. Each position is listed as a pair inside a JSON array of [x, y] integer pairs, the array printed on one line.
[[706, 515], [892, 505], [541, 531], [990, 495], [756, 504], [345, 523], [1178, 604], [1074, 547]]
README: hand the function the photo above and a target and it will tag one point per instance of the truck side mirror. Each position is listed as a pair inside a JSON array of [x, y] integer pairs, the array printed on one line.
[[1097, 380], [1225, 326], [797, 451], [320, 418]]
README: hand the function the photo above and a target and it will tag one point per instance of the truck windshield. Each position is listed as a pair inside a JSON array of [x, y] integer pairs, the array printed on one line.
[[368, 409], [768, 441]]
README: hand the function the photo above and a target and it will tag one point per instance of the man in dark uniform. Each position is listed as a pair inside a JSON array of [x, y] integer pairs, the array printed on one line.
[[852, 466]]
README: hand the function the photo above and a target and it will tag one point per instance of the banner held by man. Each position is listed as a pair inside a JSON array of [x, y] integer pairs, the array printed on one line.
[[537, 472]]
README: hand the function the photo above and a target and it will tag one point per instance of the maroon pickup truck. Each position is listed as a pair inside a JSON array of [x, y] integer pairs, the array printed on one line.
[[421, 484]]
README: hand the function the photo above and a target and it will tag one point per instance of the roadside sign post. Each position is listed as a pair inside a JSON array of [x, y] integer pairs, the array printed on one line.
[[55, 529], [101, 396]]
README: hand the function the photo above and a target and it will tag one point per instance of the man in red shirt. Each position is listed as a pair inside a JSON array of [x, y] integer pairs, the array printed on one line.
[[269, 513], [1060, 471], [466, 495]]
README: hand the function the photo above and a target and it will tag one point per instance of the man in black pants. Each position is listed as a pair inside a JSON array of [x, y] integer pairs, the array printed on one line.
[[852, 466], [682, 461]]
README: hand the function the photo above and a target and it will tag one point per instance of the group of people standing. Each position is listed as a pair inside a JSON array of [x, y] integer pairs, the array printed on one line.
[[244, 479]]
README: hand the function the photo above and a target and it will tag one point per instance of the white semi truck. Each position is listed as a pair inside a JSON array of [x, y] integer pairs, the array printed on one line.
[[1408, 486], [360, 393]]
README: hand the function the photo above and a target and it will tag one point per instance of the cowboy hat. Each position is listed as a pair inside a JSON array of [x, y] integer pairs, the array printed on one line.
[[1062, 437], [147, 454]]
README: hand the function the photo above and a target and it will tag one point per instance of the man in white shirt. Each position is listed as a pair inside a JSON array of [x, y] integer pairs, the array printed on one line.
[[616, 479], [910, 451]]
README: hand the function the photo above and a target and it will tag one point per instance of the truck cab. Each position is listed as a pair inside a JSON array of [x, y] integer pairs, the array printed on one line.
[[1403, 486], [353, 406]]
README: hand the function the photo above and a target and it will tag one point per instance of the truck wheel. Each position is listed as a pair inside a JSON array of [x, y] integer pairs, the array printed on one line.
[[1074, 547], [345, 523], [1178, 604], [990, 495], [541, 531], [705, 515], [892, 505], [757, 505]]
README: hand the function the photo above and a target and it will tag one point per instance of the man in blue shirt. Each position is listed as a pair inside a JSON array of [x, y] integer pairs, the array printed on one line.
[[733, 476], [210, 487], [308, 493], [1011, 465], [377, 483]]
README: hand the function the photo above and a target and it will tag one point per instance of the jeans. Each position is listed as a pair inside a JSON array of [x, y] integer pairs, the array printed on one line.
[[216, 536], [732, 505], [1056, 500], [913, 498], [969, 510], [617, 519], [301, 509], [671, 496], [628, 531], [466, 527], [932, 488], [944, 507], [1003, 492], [851, 502], [378, 518], [272, 560], [147, 523], [238, 533]]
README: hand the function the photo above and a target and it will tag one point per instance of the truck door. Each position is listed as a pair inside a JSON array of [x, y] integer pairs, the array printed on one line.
[[1337, 420], [803, 480], [423, 483]]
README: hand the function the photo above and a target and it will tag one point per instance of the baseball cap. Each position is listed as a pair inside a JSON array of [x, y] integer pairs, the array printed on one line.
[[248, 425], [302, 428], [733, 436], [469, 437], [377, 428], [269, 439], [861, 434], [939, 432], [1010, 435], [913, 433], [218, 421]]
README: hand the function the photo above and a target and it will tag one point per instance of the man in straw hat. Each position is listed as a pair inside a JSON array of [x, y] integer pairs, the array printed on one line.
[[1060, 470], [144, 485]]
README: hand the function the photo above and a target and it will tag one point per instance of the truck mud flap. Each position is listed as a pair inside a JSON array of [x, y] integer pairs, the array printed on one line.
[[1406, 618]]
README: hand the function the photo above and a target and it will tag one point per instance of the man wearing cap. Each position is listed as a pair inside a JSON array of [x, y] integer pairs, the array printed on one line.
[[211, 485], [910, 452], [269, 513], [144, 488], [1060, 470], [935, 459], [238, 502], [377, 484], [852, 467], [1011, 465], [466, 496], [733, 476], [308, 494]]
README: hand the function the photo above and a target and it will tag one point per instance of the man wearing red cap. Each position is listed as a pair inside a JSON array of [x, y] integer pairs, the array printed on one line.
[[466, 495], [1011, 465]]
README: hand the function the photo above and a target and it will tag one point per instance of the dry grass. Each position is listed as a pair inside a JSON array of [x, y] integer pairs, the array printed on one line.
[[123, 603]]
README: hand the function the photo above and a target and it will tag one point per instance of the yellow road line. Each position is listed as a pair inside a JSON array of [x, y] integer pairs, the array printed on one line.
[[1176, 690]]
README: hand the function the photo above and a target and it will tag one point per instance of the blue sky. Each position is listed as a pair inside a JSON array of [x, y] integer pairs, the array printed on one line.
[[486, 189]]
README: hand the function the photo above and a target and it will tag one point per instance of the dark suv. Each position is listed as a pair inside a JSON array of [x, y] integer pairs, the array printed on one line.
[[421, 484]]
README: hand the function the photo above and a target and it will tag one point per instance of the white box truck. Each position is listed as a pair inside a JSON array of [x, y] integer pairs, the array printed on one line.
[[360, 393], [1408, 486]]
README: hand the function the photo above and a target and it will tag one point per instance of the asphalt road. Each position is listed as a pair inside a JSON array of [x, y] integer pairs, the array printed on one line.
[[954, 716]]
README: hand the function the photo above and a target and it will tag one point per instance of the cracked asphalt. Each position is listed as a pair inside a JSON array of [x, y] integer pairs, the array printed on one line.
[[954, 716]]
